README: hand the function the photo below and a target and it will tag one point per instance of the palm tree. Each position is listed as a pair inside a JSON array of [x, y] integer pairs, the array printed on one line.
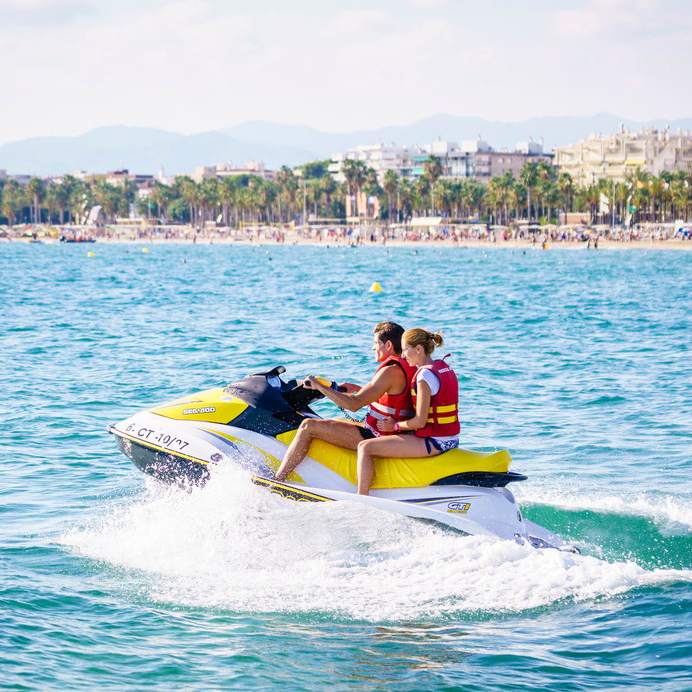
[[207, 198], [592, 198], [371, 187], [287, 184], [552, 197], [566, 187], [12, 200], [519, 198], [546, 177], [228, 192], [445, 192], [495, 201], [503, 189], [422, 187], [657, 189], [355, 173], [188, 190], [329, 190], [35, 189], [80, 195], [638, 181], [162, 196], [50, 200], [432, 170], [391, 187], [266, 193], [681, 197], [62, 195], [408, 196], [476, 196], [621, 198], [529, 177]]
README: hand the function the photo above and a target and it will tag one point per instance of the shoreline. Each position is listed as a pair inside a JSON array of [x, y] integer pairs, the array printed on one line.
[[684, 245], [84, 235]]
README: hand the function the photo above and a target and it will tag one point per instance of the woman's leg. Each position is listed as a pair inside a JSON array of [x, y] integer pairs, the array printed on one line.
[[407, 446], [338, 432]]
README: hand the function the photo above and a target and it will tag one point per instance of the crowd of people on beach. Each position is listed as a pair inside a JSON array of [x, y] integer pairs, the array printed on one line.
[[359, 235]]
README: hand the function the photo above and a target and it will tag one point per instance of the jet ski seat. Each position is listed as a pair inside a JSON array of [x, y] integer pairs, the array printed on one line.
[[391, 472]]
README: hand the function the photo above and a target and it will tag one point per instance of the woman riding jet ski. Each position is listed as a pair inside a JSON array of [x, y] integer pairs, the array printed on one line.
[[251, 422]]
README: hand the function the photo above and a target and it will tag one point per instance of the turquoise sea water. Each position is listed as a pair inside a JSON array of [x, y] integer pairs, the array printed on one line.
[[578, 362]]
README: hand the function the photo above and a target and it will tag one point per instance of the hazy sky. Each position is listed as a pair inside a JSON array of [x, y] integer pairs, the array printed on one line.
[[67, 66]]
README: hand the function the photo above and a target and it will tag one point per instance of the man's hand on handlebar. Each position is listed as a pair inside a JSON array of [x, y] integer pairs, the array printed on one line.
[[309, 382], [321, 384]]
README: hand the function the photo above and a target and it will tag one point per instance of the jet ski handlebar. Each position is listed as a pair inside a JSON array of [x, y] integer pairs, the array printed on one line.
[[298, 394], [325, 383]]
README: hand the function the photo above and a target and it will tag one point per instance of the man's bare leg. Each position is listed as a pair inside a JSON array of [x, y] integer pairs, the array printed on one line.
[[338, 432]]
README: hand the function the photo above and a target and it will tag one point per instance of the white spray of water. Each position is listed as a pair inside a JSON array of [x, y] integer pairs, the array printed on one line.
[[234, 546], [673, 514]]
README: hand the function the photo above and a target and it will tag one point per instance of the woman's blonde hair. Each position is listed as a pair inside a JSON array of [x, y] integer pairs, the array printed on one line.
[[422, 337]]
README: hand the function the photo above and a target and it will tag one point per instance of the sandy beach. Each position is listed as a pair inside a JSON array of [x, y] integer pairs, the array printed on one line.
[[187, 235]]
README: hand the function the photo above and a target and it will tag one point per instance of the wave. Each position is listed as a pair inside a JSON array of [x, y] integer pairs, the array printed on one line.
[[235, 547], [672, 513]]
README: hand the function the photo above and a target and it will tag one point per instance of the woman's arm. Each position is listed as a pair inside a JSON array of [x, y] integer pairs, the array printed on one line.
[[419, 420]]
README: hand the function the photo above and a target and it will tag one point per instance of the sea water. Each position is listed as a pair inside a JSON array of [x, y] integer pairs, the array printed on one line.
[[578, 362]]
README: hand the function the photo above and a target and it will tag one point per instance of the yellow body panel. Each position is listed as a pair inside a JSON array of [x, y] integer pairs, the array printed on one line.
[[391, 472], [270, 459], [212, 405]]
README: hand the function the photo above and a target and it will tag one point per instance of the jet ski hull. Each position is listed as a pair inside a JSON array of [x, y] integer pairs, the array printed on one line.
[[186, 452]]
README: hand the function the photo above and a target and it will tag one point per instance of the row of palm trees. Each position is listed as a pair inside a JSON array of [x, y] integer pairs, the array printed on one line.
[[66, 201], [537, 195], [541, 191]]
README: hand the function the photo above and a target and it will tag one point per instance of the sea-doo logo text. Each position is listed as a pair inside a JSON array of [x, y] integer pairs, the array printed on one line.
[[193, 411], [458, 507]]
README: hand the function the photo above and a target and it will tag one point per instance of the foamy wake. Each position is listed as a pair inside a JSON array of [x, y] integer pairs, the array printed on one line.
[[672, 514], [234, 546]]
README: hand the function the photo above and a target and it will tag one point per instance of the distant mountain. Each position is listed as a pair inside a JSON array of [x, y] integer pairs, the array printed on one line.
[[554, 130], [142, 150], [145, 150]]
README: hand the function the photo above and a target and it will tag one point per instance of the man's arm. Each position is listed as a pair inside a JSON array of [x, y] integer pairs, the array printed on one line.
[[384, 380], [350, 387]]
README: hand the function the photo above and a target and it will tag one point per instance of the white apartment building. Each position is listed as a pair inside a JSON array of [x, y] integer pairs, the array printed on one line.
[[468, 159], [613, 157], [225, 170], [381, 157]]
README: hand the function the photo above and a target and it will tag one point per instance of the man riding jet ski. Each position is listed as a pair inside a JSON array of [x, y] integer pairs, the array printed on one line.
[[251, 422], [387, 396]]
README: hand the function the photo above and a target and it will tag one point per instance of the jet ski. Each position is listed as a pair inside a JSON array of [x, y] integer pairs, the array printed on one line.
[[251, 422]]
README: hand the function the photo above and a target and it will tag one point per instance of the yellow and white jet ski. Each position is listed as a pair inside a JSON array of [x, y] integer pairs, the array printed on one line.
[[252, 421]]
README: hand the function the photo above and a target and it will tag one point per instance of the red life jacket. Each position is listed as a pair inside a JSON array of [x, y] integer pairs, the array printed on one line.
[[443, 414], [396, 406]]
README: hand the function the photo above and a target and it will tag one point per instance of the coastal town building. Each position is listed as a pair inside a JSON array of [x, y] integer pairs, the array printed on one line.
[[124, 175], [615, 157], [227, 170], [468, 159], [22, 179]]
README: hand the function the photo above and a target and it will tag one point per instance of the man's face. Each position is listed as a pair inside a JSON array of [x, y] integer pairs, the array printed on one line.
[[381, 348]]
